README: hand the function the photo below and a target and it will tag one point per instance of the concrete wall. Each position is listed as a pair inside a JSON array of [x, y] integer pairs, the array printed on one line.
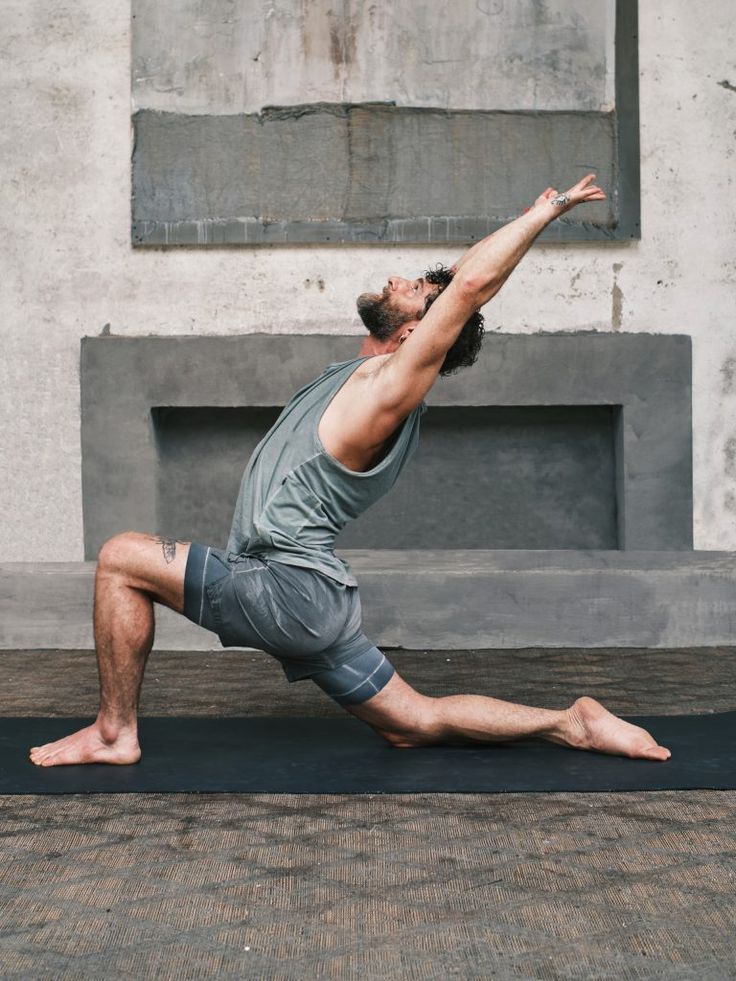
[[223, 57], [68, 267], [340, 121], [367, 174]]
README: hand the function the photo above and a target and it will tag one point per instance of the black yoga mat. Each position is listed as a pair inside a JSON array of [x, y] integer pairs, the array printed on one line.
[[344, 756]]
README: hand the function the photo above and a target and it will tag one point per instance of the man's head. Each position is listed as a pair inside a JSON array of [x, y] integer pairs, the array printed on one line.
[[393, 314]]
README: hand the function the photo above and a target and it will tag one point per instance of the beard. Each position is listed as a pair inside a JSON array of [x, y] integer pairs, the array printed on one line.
[[380, 319]]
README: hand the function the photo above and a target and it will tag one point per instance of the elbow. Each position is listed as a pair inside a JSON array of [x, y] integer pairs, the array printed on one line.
[[475, 290]]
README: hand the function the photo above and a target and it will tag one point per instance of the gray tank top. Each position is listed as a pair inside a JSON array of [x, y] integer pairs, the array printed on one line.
[[295, 497]]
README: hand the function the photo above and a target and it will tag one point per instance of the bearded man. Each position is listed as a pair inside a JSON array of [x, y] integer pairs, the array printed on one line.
[[337, 447]]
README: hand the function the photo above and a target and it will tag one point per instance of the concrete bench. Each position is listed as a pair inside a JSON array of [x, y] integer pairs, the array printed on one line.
[[445, 599]]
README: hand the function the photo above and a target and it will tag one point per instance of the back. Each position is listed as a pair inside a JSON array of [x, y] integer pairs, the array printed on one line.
[[295, 497]]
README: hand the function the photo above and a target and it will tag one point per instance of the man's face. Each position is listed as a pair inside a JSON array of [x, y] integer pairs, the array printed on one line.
[[400, 302]]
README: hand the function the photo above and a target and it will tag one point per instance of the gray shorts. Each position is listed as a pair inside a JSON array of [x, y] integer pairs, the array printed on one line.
[[310, 623]]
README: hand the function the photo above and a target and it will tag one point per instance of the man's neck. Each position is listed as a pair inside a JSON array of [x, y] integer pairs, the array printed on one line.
[[371, 347]]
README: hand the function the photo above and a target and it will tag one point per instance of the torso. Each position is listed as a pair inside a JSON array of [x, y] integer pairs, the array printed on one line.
[[342, 420]]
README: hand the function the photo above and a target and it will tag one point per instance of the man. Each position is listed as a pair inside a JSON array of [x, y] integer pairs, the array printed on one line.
[[337, 447]]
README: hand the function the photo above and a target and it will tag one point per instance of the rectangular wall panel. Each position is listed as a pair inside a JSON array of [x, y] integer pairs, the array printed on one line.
[[341, 122], [621, 403]]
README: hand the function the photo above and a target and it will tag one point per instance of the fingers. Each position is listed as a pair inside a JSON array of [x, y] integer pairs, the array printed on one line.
[[582, 186], [585, 190], [592, 191]]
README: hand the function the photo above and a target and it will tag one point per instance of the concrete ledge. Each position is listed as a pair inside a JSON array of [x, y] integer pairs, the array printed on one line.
[[445, 599]]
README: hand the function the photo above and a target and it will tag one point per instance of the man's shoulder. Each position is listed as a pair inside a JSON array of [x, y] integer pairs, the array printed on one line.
[[360, 417]]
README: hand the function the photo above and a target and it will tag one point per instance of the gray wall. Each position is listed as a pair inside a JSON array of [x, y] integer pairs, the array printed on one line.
[[69, 267]]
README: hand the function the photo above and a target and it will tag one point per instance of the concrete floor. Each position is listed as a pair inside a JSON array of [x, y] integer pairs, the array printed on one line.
[[631, 885]]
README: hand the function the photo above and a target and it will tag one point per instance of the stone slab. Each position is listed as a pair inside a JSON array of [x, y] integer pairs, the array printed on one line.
[[362, 172], [442, 599]]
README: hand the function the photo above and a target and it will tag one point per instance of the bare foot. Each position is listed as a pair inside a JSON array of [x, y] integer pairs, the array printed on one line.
[[591, 726], [89, 746]]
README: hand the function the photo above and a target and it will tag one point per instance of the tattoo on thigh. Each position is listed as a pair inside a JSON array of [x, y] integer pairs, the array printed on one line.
[[169, 547]]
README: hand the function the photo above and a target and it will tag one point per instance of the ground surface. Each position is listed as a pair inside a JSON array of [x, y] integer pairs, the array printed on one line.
[[629, 885]]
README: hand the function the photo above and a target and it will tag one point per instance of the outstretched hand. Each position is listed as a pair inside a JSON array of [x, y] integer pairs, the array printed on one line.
[[582, 192]]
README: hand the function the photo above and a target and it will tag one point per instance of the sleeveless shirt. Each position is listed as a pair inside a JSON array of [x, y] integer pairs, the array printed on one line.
[[295, 496]]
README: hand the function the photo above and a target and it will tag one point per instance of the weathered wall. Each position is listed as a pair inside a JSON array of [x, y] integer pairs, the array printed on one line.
[[223, 57], [68, 267], [340, 121]]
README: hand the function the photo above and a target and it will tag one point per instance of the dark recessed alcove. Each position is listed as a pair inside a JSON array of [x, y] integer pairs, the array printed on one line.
[[503, 477]]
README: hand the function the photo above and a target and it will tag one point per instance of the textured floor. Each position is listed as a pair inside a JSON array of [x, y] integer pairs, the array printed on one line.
[[635, 681], [408, 886]]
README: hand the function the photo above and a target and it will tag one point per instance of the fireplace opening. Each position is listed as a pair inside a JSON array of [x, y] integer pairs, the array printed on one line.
[[483, 477]]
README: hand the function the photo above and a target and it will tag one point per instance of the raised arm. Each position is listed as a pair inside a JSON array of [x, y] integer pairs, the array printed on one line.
[[410, 372], [585, 190], [490, 262]]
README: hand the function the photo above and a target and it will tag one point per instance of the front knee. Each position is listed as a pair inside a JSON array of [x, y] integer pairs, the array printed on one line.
[[112, 556]]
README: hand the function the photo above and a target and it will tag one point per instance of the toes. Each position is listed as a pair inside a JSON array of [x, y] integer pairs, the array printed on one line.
[[40, 755]]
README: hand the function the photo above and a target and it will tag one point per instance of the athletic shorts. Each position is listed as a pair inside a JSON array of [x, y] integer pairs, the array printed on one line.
[[310, 623]]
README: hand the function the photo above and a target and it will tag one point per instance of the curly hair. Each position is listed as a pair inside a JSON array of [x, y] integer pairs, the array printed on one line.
[[464, 352]]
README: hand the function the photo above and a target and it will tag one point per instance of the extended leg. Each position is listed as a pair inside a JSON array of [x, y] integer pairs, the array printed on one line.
[[408, 719], [133, 570]]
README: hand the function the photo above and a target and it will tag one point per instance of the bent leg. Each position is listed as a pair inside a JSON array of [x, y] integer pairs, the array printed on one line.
[[133, 571], [408, 719]]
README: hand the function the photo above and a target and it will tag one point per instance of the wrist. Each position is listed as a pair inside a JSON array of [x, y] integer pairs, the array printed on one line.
[[552, 210], [545, 212]]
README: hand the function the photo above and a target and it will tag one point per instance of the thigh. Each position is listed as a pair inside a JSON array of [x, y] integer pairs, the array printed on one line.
[[249, 602], [228, 594], [151, 563]]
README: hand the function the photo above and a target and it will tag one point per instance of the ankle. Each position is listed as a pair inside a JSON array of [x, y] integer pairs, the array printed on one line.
[[566, 728], [112, 729]]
